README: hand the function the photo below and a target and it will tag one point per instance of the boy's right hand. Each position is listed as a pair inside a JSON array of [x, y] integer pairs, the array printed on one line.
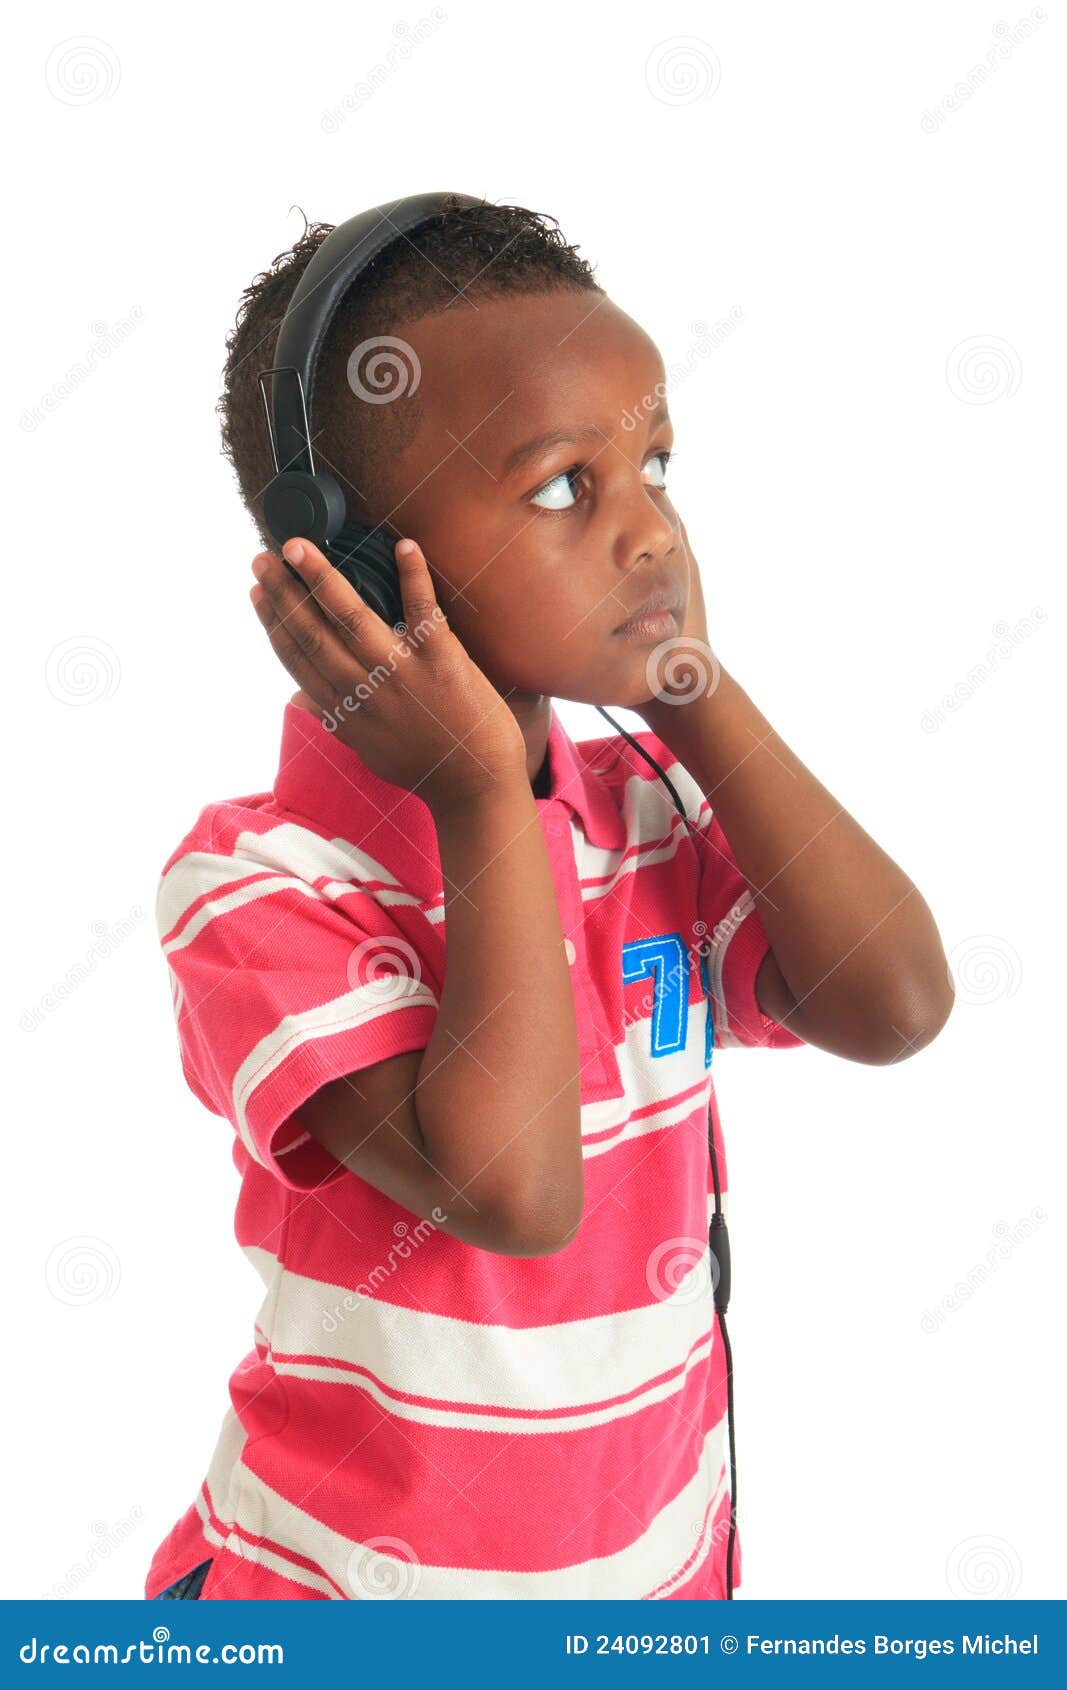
[[414, 707]]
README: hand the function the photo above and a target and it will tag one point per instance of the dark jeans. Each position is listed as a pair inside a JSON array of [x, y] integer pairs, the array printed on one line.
[[187, 1588]]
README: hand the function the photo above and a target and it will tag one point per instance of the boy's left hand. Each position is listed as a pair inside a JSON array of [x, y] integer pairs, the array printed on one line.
[[696, 624]]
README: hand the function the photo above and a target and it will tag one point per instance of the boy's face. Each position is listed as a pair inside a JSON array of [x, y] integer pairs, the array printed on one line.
[[536, 563]]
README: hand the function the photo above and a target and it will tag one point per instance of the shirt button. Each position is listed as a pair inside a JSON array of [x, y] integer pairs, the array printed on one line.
[[570, 951]]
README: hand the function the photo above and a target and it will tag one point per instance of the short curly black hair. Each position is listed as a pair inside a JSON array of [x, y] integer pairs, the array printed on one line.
[[467, 252]]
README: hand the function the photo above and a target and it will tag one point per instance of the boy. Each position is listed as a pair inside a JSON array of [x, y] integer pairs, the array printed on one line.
[[477, 1188]]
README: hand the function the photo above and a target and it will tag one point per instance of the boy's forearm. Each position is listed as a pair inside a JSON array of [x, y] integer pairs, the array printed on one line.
[[498, 1097], [853, 938]]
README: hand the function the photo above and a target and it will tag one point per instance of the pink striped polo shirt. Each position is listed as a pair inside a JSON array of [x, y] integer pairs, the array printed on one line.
[[418, 1417]]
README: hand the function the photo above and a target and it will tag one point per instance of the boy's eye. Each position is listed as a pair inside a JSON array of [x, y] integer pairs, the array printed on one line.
[[665, 458], [556, 495]]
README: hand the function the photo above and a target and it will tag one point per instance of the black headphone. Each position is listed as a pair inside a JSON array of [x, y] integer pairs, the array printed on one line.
[[301, 500]]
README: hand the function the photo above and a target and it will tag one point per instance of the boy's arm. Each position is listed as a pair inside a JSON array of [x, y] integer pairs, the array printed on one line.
[[486, 1127], [856, 963], [497, 1118]]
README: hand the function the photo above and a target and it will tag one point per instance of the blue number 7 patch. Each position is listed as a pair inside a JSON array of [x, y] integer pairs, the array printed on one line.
[[666, 958]]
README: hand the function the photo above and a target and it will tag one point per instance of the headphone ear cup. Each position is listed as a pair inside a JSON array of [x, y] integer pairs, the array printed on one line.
[[312, 506], [365, 558]]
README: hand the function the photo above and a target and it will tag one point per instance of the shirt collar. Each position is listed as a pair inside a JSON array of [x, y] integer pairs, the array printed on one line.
[[325, 780]]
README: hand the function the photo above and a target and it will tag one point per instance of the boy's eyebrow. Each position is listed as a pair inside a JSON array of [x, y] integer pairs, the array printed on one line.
[[542, 443]]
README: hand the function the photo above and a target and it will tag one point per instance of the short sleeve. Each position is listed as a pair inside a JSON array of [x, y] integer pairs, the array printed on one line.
[[734, 937], [281, 983]]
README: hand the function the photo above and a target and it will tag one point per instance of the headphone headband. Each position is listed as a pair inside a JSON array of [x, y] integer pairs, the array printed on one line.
[[335, 265], [300, 499]]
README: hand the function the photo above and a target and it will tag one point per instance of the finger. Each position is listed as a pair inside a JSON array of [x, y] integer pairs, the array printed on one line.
[[342, 606], [314, 685], [421, 609], [300, 620]]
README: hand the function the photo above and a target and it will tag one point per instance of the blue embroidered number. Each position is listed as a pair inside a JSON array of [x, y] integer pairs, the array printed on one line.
[[666, 959]]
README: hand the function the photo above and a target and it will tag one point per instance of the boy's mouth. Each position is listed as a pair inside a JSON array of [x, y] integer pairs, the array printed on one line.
[[657, 617]]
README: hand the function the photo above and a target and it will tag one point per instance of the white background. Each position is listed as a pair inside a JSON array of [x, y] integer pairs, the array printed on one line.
[[873, 505]]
